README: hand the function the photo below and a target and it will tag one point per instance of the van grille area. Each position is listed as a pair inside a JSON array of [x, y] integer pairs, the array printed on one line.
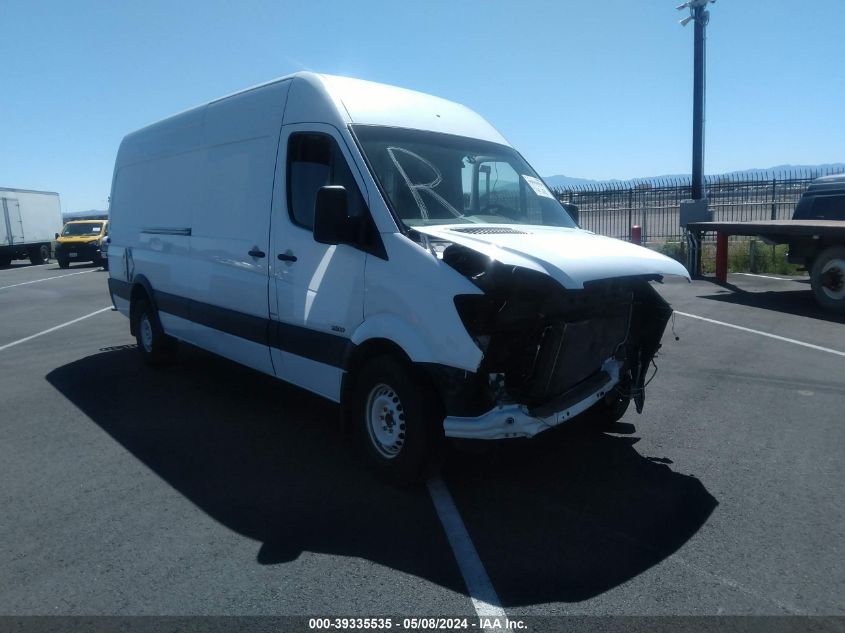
[[546, 342], [561, 353]]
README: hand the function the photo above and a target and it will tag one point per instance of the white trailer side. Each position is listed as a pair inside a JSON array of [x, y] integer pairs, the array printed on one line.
[[29, 221]]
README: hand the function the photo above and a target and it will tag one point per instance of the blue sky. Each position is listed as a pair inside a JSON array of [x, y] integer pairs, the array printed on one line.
[[587, 88]]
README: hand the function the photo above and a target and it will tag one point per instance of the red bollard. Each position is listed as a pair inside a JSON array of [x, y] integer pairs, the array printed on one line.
[[637, 235], [721, 258]]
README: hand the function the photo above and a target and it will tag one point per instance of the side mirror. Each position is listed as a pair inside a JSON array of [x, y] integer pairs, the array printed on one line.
[[572, 210], [57, 236], [331, 220]]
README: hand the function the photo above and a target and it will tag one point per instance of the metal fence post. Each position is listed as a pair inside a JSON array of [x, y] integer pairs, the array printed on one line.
[[774, 197]]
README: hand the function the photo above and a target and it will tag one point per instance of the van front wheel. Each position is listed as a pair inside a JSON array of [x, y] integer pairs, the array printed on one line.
[[396, 419]]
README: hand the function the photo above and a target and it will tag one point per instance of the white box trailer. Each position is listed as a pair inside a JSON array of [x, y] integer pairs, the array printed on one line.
[[29, 220]]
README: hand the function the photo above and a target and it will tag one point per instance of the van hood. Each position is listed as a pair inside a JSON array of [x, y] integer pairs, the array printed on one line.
[[570, 256]]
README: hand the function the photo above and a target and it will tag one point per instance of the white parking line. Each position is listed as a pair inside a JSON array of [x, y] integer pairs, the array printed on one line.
[[764, 276], [35, 281], [481, 591], [767, 334], [52, 329]]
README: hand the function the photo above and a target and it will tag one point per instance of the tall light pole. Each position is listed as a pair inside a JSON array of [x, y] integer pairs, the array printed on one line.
[[700, 16]]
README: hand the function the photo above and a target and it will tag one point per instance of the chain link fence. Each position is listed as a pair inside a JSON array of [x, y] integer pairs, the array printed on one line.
[[613, 208]]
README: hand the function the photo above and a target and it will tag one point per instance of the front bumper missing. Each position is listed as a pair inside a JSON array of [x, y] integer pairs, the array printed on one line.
[[515, 420]]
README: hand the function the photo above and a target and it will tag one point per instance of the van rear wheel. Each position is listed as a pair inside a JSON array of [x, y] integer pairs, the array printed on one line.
[[155, 346], [396, 419]]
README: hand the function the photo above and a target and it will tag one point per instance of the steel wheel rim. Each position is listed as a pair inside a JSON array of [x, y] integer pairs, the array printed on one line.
[[836, 267], [146, 329], [385, 420]]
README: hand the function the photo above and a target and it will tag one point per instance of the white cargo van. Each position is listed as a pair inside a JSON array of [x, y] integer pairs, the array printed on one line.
[[387, 250]]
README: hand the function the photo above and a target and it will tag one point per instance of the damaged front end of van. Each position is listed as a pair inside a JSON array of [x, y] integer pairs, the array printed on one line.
[[554, 346]]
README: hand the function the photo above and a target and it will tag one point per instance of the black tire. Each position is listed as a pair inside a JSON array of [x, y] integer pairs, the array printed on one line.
[[5, 261], [607, 412], [827, 278], [63, 262], [157, 349], [402, 450], [39, 255]]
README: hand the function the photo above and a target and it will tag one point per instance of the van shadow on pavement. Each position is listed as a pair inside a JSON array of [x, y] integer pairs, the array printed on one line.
[[563, 518]]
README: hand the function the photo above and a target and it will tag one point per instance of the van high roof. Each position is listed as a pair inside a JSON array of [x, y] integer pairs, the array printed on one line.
[[341, 101]]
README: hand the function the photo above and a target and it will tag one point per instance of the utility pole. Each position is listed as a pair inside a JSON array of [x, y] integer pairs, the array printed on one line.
[[700, 16]]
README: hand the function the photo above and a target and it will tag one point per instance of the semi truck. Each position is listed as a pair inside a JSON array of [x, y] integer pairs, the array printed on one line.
[[29, 220]]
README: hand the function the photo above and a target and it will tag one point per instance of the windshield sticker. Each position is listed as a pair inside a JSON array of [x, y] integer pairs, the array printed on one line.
[[537, 185]]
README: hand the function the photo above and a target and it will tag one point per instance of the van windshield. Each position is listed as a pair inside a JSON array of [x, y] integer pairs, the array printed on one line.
[[86, 228], [431, 178]]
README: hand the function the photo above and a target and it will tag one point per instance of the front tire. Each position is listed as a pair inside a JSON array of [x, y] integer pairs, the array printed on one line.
[[827, 279], [604, 414], [397, 419], [155, 346], [63, 262]]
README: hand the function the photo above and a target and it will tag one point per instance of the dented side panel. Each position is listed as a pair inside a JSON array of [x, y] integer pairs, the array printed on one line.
[[409, 299]]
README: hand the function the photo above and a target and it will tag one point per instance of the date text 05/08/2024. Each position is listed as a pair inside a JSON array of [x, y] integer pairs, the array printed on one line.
[[416, 624]]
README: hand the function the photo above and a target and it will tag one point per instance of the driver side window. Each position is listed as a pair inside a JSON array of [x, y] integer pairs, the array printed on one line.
[[314, 161]]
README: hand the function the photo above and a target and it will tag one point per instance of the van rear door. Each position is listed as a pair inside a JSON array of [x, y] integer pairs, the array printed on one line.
[[319, 288]]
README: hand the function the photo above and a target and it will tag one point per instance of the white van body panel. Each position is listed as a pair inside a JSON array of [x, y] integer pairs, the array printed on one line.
[[570, 256], [323, 379], [240, 143], [158, 182], [410, 300]]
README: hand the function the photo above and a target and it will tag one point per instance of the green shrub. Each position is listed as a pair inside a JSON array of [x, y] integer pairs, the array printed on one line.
[[767, 259]]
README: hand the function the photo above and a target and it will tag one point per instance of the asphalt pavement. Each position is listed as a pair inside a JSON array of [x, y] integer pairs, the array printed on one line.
[[206, 488]]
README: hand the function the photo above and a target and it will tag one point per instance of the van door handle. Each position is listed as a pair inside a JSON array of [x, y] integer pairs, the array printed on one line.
[[256, 253], [287, 257]]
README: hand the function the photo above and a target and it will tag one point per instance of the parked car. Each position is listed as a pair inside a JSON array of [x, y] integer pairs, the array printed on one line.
[[82, 241], [387, 250]]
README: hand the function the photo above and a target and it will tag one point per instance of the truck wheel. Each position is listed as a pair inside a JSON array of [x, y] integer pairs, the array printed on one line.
[[39, 255], [396, 419], [5, 261], [828, 279], [155, 346], [63, 262]]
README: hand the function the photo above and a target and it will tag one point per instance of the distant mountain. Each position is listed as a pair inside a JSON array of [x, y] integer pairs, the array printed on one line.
[[778, 171], [90, 214]]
